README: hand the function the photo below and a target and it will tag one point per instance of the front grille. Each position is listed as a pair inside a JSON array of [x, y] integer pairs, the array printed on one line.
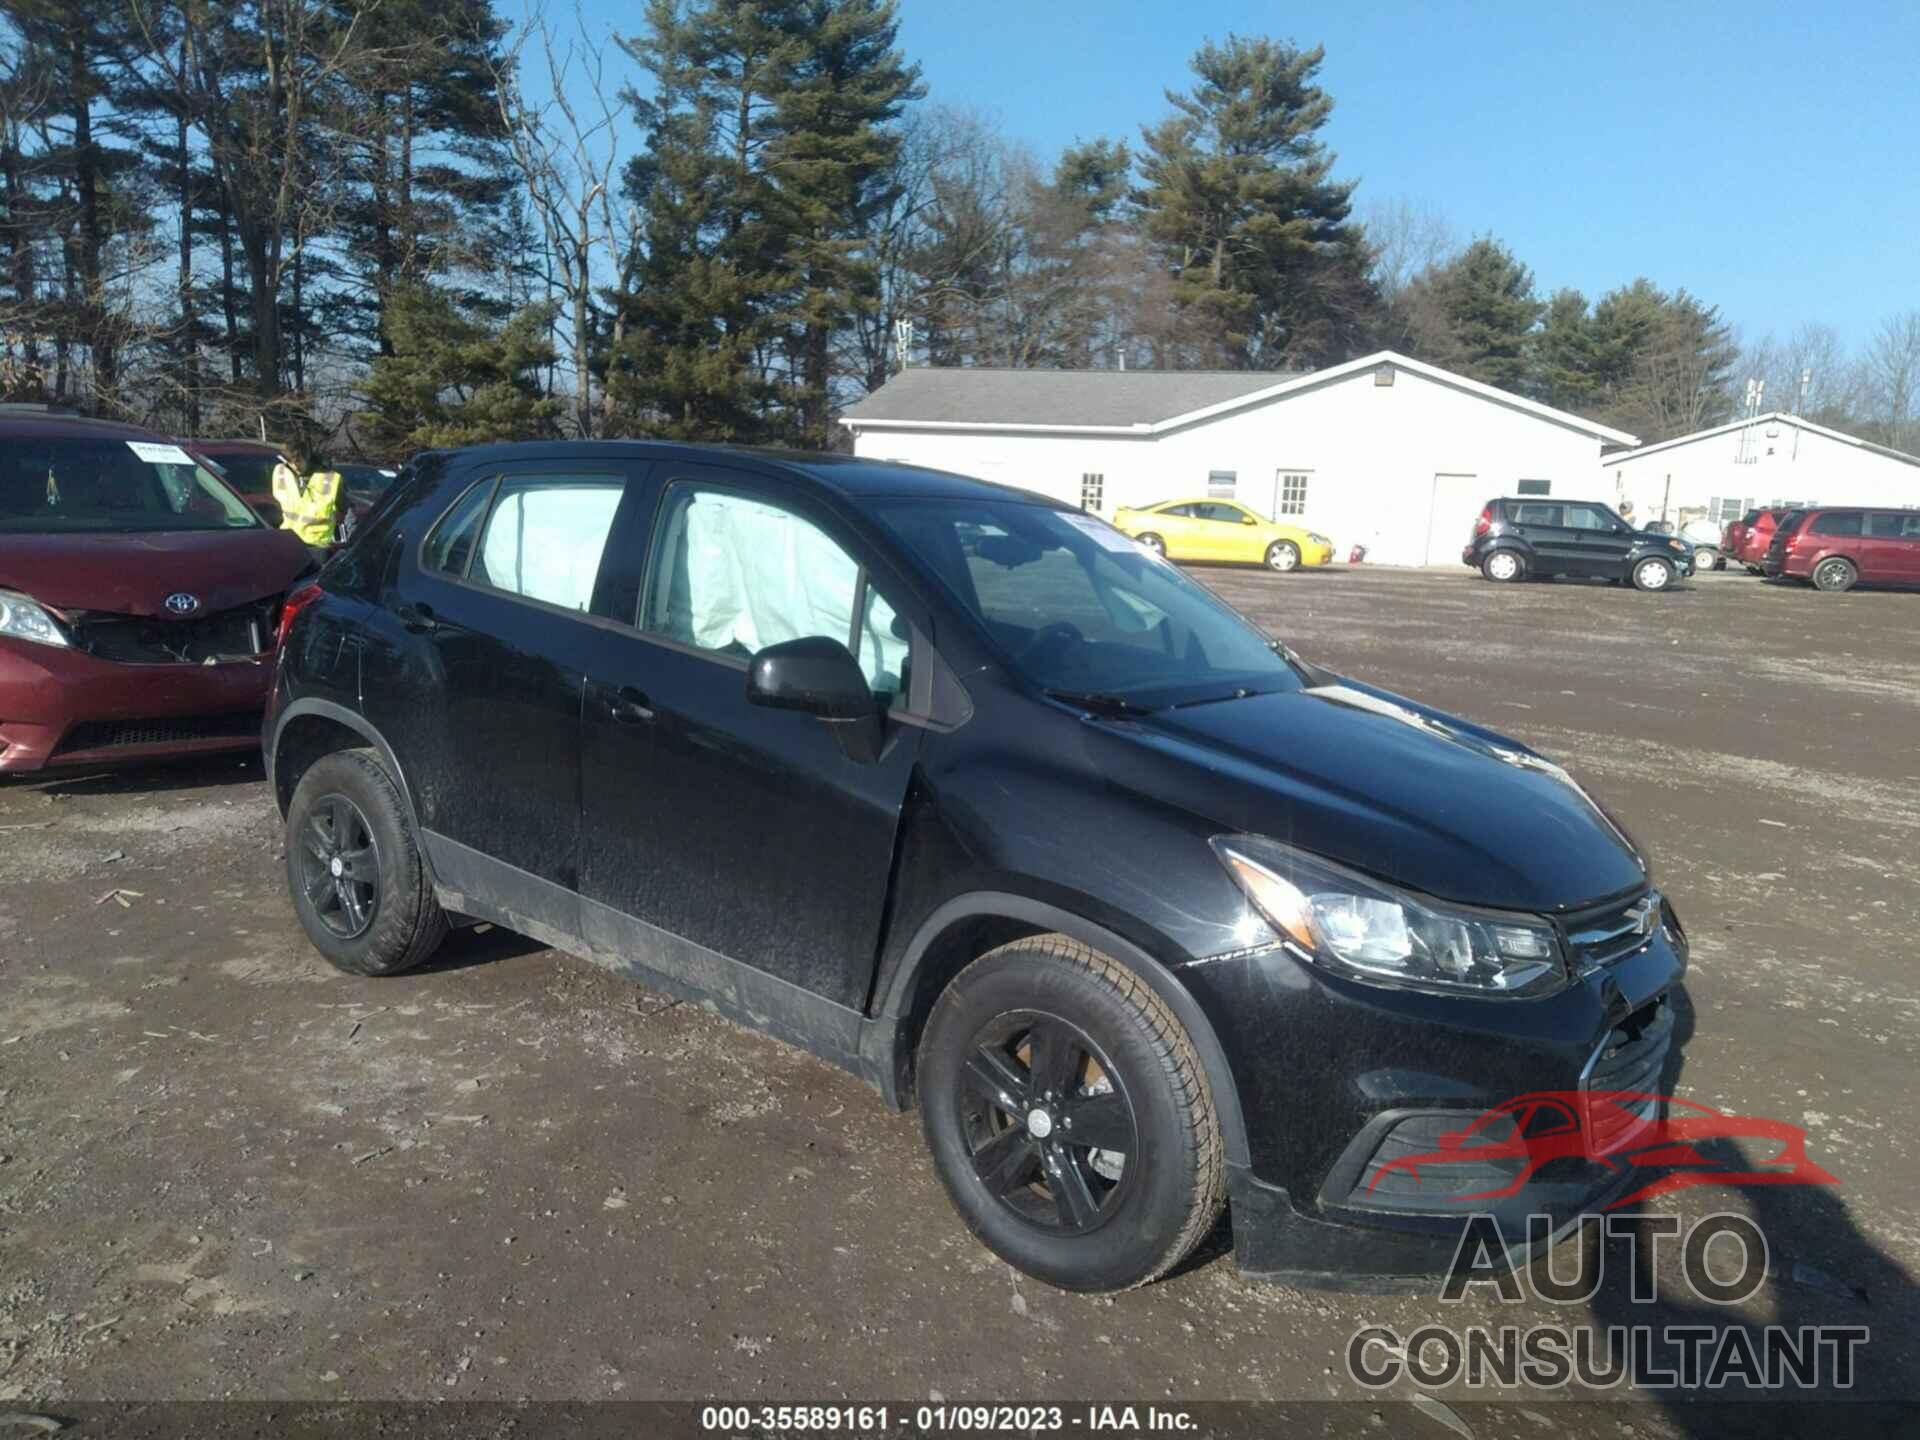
[[163, 730], [237, 634], [1630, 1061], [1609, 933]]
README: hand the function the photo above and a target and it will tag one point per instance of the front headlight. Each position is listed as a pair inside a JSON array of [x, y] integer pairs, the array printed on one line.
[[1677, 545], [1317, 538], [25, 619], [1368, 930]]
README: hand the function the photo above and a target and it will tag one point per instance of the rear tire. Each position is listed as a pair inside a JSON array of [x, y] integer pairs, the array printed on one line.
[[1154, 543], [1025, 1043], [1284, 556], [358, 881], [1834, 576], [1504, 566], [1705, 560], [1653, 573]]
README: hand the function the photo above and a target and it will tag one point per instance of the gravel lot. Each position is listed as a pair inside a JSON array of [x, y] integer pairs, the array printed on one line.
[[228, 1171]]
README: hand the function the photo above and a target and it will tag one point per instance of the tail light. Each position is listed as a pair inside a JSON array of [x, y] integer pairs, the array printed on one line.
[[1485, 522], [296, 601]]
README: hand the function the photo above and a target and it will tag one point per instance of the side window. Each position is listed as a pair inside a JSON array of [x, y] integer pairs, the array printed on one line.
[[1224, 514], [449, 547], [544, 537], [1536, 514], [1910, 527], [734, 574], [1837, 522], [1585, 517], [1185, 512]]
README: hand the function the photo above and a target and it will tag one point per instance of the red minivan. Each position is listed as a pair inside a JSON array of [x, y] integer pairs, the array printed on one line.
[[139, 597], [1836, 547], [1746, 539]]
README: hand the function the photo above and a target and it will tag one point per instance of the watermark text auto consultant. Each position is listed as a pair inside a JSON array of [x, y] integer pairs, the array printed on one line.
[[1723, 1262]]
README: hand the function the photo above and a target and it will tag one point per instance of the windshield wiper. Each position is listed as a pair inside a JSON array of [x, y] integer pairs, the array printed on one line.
[[1244, 692], [1098, 703]]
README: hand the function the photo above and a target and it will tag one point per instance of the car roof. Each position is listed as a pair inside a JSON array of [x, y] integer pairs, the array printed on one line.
[[25, 422], [849, 475], [1195, 500], [233, 447]]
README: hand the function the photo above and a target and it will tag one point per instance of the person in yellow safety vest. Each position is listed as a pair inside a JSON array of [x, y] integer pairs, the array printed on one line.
[[308, 495]]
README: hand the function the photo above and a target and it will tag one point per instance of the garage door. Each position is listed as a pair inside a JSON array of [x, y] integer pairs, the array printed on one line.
[[1457, 500]]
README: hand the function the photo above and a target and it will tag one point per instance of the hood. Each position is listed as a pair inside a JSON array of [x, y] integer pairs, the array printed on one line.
[[134, 574], [1390, 788]]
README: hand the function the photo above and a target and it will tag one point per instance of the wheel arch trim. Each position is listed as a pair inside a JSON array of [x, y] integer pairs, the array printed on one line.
[[350, 719], [894, 1006]]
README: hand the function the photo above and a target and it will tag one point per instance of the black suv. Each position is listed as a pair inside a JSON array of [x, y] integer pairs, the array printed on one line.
[[963, 790], [1522, 538]]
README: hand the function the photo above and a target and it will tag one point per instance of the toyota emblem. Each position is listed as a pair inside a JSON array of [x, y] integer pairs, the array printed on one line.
[[181, 603]]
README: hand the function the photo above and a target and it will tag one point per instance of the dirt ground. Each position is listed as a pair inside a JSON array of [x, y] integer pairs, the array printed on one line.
[[228, 1171]]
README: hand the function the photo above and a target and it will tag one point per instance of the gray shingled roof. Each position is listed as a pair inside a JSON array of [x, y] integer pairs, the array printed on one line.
[[1057, 397]]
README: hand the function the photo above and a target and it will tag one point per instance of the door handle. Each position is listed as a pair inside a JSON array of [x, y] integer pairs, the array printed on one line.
[[629, 706], [418, 619]]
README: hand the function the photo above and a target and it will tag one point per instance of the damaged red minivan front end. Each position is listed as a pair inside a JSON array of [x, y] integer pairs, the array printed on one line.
[[139, 598]]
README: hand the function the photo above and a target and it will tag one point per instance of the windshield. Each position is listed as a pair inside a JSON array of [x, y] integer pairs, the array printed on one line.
[[249, 472], [367, 479], [1078, 607], [57, 485]]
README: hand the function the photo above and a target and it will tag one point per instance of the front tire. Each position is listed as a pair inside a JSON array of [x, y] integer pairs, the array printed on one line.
[[1284, 556], [1154, 543], [358, 881], [1652, 573], [1834, 575], [1705, 560], [1069, 1117], [1504, 566]]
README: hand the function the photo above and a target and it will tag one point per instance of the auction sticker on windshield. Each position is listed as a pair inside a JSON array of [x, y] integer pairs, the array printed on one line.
[[1105, 535], [159, 454]]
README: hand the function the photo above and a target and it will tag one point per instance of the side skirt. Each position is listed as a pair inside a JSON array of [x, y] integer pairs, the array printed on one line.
[[478, 885]]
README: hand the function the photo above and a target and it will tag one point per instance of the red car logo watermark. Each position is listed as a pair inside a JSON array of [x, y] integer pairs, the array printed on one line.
[[1670, 1140]]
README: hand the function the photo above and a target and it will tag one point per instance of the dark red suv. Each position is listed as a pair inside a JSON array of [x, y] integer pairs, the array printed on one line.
[[1746, 539], [138, 597], [1836, 547]]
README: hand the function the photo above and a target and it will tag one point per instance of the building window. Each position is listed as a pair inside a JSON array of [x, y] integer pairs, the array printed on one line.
[[1221, 482], [1536, 487], [1725, 510], [1293, 493], [1093, 493]]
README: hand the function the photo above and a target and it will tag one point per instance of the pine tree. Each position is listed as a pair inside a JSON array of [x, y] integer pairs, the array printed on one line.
[[1475, 315], [424, 180], [1563, 363], [830, 157], [1238, 196], [447, 378]]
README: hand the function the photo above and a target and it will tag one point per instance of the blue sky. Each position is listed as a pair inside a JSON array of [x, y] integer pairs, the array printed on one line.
[[1765, 156]]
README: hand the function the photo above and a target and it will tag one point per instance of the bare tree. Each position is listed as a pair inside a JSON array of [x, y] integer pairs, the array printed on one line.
[[1893, 377], [1406, 237], [566, 152]]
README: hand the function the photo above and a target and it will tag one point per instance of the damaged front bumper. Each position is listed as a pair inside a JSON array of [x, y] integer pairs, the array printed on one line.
[[63, 707]]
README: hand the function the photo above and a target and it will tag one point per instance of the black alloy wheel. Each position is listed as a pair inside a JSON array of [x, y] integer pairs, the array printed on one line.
[[1069, 1116], [339, 862], [1048, 1123], [360, 886]]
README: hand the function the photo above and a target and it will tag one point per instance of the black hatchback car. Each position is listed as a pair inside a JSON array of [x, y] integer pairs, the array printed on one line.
[[1526, 538], [961, 789]]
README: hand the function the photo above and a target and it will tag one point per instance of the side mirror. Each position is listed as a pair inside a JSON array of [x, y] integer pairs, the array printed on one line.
[[1248, 520], [818, 676]]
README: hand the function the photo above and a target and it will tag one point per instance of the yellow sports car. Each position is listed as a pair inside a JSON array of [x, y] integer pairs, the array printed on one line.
[[1222, 530]]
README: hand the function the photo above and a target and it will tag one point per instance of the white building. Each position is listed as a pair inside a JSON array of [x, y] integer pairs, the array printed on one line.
[[1387, 452], [1772, 459]]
